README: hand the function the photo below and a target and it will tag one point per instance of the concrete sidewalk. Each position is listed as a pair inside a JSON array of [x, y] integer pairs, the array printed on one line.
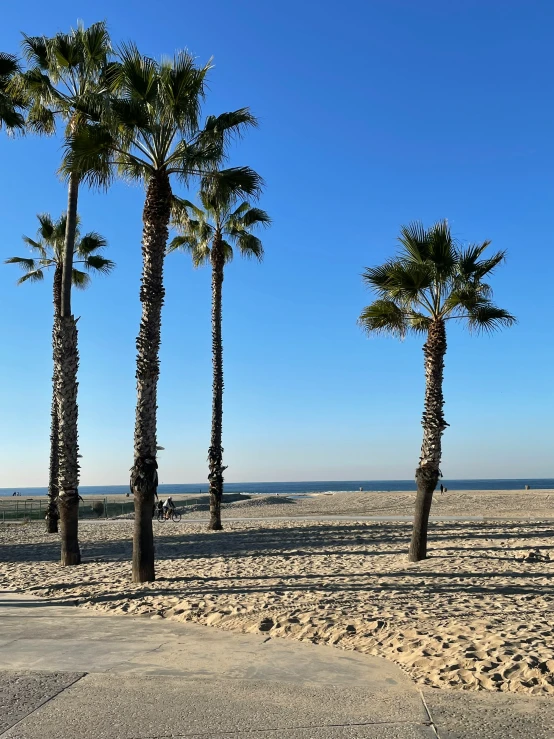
[[70, 672]]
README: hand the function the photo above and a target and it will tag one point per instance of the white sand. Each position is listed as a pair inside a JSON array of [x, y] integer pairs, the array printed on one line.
[[478, 614]]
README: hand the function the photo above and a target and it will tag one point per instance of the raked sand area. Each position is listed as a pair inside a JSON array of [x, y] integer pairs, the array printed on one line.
[[477, 614]]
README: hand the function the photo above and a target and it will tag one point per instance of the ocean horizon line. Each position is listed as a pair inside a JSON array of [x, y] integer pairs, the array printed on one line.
[[310, 486]]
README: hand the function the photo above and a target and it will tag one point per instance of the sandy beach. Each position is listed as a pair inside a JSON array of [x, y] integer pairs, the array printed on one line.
[[477, 614]]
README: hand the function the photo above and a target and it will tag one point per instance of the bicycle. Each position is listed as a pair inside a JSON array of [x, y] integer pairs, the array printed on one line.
[[174, 516]]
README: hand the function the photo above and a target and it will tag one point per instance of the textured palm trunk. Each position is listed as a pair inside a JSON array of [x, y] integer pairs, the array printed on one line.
[[66, 363], [144, 474], [428, 472], [52, 514], [215, 452]]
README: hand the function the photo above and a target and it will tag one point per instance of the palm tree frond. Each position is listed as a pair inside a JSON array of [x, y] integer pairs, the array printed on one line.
[[384, 317], [96, 263], [250, 246], [36, 275], [79, 279], [28, 265], [90, 243], [488, 318]]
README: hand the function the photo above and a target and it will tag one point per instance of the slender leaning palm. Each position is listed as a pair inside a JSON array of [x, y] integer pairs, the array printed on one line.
[[432, 280], [152, 135], [208, 235], [65, 81], [47, 250], [12, 102]]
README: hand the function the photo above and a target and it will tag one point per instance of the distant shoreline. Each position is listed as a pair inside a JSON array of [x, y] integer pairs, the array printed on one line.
[[301, 487]]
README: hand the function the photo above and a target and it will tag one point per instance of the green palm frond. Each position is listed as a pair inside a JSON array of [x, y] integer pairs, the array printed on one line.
[[251, 217], [406, 282], [36, 275], [90, 243], [27, 265], [221, 187], [96, 263], [488, 318], [384, 317], [183, 210], [79, 279], [250, 246], [228, 251], [415, 242], [418, 322], [12, 102], [226, 126], [442, 254]]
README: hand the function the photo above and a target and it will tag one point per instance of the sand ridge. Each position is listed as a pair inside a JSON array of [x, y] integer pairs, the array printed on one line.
[[478, 614]]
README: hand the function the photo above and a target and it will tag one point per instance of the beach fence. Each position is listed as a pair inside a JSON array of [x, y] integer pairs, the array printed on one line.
[[33, 509]]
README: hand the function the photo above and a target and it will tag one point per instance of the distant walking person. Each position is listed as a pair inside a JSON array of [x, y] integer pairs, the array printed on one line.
[[442, 488]]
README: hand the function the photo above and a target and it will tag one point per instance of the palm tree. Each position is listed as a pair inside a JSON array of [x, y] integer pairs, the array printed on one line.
[[11, 101], [152, 135], [65, 80], [47, 249], [432, 280], [208, 235]]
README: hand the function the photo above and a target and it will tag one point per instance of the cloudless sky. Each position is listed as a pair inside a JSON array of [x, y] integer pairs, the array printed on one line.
[[372, 114]]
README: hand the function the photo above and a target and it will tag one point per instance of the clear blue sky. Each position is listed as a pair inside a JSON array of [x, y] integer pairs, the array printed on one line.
[[372, 114]]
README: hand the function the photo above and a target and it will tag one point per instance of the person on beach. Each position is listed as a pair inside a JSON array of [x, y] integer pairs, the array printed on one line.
[[442, 488], [168, 506]]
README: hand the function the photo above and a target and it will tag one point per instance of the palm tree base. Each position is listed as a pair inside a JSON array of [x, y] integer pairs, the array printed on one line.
[[69, 525], [426, 483], [215, 526], [144, 481]]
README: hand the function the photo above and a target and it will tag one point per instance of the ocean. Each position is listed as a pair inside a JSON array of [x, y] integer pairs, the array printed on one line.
[[299, 488]]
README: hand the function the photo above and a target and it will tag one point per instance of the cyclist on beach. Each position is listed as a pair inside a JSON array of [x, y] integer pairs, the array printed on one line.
[[169, 507]]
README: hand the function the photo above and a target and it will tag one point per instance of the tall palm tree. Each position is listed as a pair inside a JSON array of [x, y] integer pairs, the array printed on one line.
[[152, 135], [48, 249], [65, 80], [432, 280], [12, 102], [208, 235]]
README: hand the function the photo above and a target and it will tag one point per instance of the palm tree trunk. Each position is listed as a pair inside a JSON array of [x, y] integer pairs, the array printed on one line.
[[144, 475], [52, 514], [66, 364], [428, 472], [215, 452]]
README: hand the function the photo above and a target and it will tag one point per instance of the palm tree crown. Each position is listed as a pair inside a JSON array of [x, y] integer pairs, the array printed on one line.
[[65, 77], [11, 101], [48, 249], [153, 122], [221, 217], [432, 278]]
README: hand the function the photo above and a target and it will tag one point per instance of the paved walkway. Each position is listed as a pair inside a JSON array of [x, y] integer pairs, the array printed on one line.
[[70, 672]]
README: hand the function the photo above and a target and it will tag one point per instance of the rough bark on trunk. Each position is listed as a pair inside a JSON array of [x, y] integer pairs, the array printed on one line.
[[144, 476], [66, 364], [52, 513], [215, 452], [428, 472]]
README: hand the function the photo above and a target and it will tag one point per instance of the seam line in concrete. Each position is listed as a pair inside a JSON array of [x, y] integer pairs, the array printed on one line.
[[432, 723], [43, 703]]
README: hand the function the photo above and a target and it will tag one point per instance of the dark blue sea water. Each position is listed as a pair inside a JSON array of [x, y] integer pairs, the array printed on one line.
[[297, 488]]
